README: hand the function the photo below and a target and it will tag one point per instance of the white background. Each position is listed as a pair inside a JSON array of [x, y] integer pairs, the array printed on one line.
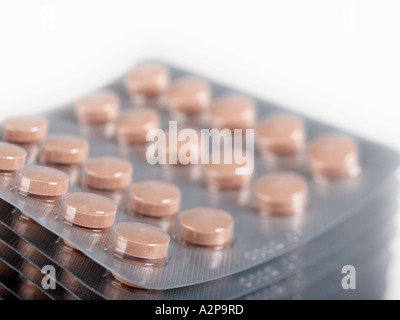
[[338, 61]]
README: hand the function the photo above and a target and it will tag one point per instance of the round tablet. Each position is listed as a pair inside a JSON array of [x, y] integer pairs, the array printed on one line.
[[282, 193], [64, 149], [149, 79], [107, 173], [224, 175], [140, 240], [89, 210], [206, 226], [12, 157], [233, 111], [280, 134], [333, 156], [182, 152], [155, 198], [188, 95], [24, 129], [133, 126], [99, 107], [42, 181]]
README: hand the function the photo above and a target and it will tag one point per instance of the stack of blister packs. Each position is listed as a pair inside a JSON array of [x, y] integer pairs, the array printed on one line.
[[336, 248]]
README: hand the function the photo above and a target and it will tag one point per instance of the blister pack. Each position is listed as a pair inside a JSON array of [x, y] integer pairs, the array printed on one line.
[[87, 285], [121, 176]]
